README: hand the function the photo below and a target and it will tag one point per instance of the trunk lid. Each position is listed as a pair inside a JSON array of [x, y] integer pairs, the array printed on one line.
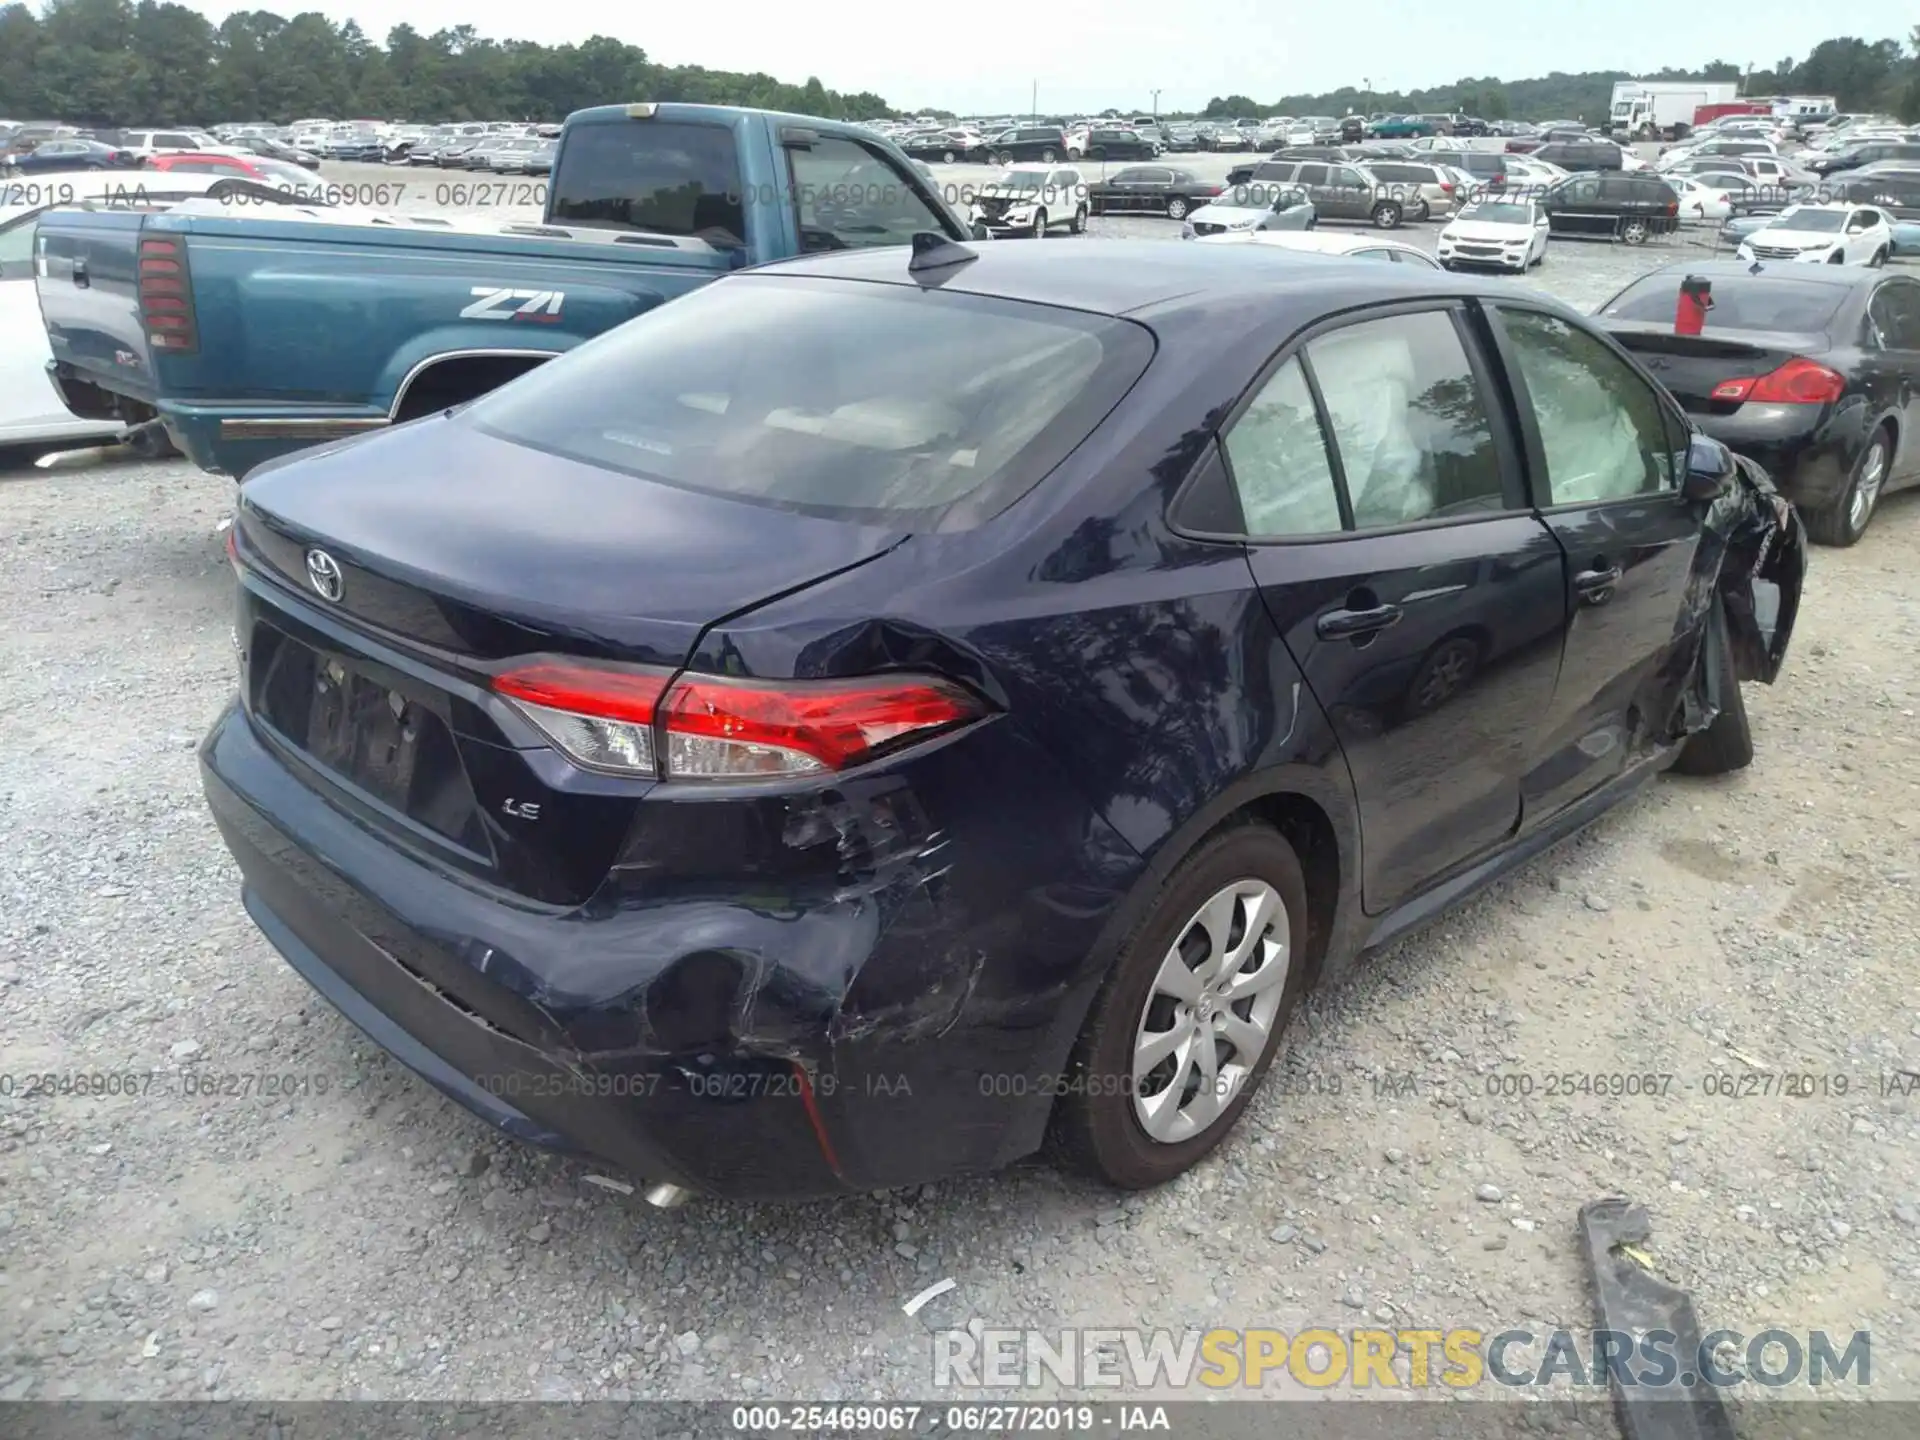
[[454, 539], [1690, 366], [447, 550]]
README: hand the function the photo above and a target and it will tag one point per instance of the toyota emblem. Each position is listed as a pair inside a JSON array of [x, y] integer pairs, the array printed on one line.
[[323, 573]]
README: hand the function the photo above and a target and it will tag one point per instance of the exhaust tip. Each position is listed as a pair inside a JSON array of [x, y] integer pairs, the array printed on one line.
[[666, 1196]]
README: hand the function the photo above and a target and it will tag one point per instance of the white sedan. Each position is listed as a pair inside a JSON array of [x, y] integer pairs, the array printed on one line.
[[1823, 235], [1699, 201], [1498, 234], [1323, 242]]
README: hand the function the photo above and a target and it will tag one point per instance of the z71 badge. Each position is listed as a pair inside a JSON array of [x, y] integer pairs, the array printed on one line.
[[542, 307]]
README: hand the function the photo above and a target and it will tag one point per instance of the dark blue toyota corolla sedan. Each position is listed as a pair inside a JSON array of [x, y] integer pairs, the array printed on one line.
[[866, 719]]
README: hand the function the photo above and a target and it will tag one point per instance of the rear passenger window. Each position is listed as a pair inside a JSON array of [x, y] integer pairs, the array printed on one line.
[[1279, 461], [1602, 428], [1412, 434]]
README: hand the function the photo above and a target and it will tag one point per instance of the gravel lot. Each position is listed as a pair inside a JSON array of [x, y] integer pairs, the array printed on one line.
[[373, 1241]]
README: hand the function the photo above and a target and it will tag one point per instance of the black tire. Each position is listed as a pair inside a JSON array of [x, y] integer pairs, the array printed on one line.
[[151, 443], [1879, 258], [1078, 226], [1836, 258], [1727, 744], [1039, 224], [1005, 157], [1386, 215], [1834, 523], [1634, 232], [1094, 1126], [1177, 208], [947, 156], [1046, 156]]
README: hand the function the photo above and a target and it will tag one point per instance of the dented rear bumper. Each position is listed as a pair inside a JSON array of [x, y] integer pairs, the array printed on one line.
[[770, 1037]]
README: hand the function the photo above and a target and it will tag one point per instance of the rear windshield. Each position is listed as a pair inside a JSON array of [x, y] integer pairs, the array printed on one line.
[[877, 403], [1772, 302], [668, 178]]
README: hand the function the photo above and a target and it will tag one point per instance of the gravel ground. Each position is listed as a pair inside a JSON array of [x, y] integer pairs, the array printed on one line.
[[374, 1241]]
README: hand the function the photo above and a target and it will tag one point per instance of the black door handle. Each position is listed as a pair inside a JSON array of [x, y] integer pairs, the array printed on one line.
[[1596, 586], [1353, 624], [80, 276]]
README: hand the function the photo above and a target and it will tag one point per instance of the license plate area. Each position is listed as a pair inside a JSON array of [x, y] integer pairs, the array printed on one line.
[[385, 738]]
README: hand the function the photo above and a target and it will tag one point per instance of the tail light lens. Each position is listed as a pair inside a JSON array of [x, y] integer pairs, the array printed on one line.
[[639, 721], [1798, 382], [166, 295]]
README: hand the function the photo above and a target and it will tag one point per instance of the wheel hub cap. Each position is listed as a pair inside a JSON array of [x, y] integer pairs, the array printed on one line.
[[1210, 1015]]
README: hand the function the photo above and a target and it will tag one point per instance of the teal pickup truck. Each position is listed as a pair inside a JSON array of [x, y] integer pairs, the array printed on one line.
[[253, 331]]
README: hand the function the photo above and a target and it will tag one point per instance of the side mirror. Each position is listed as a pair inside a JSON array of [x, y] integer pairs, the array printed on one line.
[[980, 232], [1710, 469]]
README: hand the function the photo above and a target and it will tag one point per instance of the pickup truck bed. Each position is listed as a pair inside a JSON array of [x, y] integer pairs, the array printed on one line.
[[333, 323]]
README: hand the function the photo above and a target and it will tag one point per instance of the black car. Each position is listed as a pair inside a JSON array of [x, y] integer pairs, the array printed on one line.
[[1053, 662], [1045, 143], [1812, 370], [1111, 144], [1582, 154], [1631, 206], [1469, 125], [1353, 129], [67, 153], [945, 145], [1863, 155], [1151, 190]]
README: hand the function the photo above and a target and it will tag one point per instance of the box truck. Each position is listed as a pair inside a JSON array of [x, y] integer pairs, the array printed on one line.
[[1662, 109]]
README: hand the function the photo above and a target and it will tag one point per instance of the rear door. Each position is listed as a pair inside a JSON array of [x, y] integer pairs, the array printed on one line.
[[1890, 361], [1602, 448], [1421, 597], [1574, 208]]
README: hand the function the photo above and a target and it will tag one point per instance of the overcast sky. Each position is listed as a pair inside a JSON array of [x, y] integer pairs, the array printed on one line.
[[1087, 54]]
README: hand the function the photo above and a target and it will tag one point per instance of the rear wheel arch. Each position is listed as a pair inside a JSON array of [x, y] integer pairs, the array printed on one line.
[[447, 380], [1306, 808]]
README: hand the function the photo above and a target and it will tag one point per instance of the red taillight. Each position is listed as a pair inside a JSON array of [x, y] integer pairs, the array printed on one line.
[[233, 545], [166, 295], [702, 727], [1798, 382], [1673, 207]]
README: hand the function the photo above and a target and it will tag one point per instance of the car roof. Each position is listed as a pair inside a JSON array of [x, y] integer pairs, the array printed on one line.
[[1127, 277]]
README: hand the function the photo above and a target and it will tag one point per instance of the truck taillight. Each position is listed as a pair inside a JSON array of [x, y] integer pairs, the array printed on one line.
[[166, 295]]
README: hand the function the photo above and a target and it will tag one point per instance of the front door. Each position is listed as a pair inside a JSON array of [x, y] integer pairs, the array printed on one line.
[[1418, 593], [1605, 455]]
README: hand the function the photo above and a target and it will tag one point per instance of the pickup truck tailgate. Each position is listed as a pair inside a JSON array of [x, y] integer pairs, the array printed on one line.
[[87, 273]]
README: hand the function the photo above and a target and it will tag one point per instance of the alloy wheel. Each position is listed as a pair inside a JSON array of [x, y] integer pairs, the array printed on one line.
[[1209, 1016], [1866, 490]]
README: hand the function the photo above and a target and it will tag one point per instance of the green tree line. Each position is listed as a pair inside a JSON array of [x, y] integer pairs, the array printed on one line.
[[133, 62], [119, 63], [1878, 75]]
